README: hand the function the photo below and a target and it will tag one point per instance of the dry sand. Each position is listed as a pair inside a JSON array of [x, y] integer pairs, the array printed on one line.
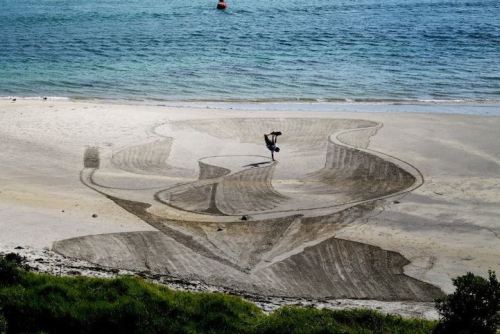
[[360, 207]]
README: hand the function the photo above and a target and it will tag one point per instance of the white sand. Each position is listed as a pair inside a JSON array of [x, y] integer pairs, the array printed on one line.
[[448, 226]]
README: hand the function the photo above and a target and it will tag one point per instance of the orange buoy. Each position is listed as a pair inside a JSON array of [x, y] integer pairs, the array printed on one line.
[[221, 5]]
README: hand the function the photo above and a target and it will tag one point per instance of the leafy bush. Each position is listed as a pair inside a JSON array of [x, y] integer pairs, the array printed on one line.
[[3, 323], [15, 258], [473, 308], [10, 270]]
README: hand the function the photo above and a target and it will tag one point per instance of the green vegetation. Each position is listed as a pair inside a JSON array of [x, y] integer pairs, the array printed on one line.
[[310, 320], [41, 303], [473, 308], [3, 323]]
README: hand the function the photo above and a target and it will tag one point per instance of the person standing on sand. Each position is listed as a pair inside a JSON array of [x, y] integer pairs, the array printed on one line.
[[271, 143]]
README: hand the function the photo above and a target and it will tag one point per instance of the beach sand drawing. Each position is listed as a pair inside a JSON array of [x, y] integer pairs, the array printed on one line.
[[378, 209], [246, 223]]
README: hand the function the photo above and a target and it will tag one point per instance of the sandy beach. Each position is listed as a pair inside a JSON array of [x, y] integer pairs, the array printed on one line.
[[372, 209]]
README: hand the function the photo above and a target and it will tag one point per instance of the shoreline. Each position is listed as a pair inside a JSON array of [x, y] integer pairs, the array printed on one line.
[[441, 106], [444, 228]]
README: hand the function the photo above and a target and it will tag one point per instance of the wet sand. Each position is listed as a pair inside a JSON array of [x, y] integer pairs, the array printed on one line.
[[370, 206]]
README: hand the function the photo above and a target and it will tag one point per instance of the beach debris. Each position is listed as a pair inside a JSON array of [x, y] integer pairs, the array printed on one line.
[[94, 215], [244, 217], [74, 273]]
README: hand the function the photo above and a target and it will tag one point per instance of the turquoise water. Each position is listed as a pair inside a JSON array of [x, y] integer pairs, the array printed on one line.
[[285, 50]]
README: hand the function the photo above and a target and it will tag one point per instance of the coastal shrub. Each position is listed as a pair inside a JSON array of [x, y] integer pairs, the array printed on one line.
[[42, 303], [3, 323], [298, 320], [381, 323], [10, 270], [15, 258], [474, 307]]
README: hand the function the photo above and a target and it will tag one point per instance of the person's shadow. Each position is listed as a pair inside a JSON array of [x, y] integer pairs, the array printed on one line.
[[257, 164]]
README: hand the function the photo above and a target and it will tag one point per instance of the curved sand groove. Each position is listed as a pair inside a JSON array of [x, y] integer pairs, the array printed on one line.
[[375, 273], [360, 174], [148, 158], [243, 186], [359, 138], [106, 183], [357, 174], [385, 166], [208, 171], [138, 168], [196, 198], [248, 191], [119, 180]]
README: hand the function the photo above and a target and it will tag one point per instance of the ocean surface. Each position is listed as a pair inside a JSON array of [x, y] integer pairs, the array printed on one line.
[[259, 50]]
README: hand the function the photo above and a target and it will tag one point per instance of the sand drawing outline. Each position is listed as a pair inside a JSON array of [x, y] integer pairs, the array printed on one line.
[[268, 255]]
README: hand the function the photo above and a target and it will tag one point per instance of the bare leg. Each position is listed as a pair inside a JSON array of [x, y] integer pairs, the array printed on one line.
[[267, 140]]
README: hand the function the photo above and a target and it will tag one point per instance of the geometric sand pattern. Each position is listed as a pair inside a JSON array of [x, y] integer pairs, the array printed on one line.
[[326, 179]]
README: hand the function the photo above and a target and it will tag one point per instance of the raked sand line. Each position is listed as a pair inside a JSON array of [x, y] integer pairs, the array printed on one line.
[[147, 158], [232, 185]]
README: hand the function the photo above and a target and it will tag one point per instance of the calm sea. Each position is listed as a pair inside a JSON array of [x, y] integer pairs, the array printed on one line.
[[259, 50]]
